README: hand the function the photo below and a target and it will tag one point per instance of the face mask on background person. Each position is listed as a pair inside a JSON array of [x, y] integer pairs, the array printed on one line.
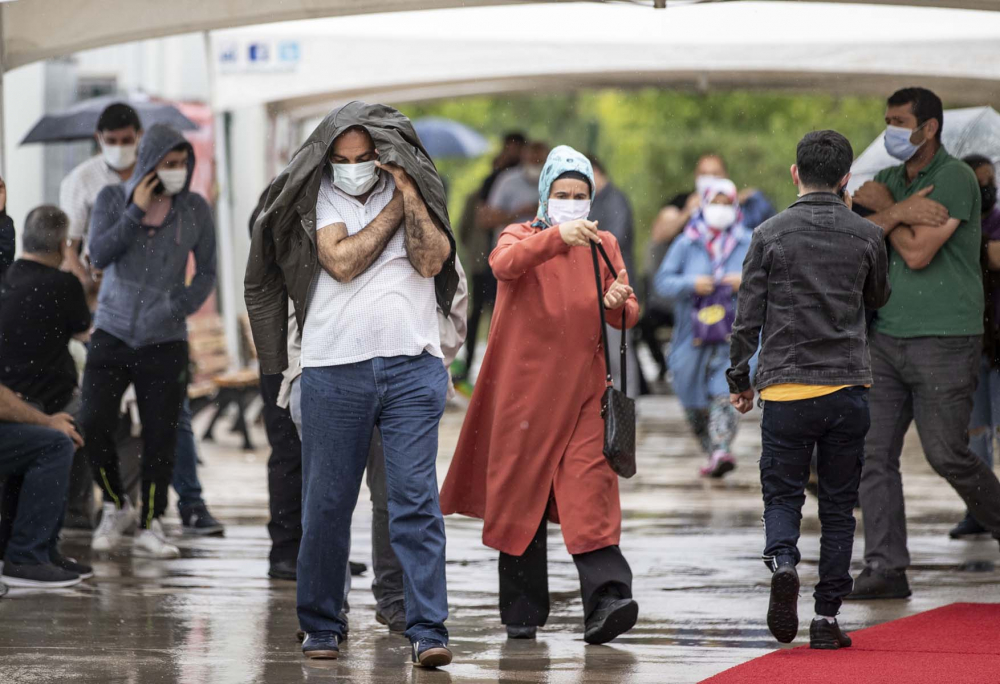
[[989, 193], [118, 157], [355, 179], [897, 142], [719, 216], [173, 180], [563, 210], [533, 172]]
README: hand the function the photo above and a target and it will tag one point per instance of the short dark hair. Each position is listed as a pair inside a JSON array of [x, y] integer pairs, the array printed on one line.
[[925, 104], [515, 138], [44, 230], [118, 115], [574, 175], [823, 158], [977, 161]]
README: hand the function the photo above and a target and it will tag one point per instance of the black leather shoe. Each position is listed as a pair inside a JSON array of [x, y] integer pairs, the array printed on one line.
[[321, 646], [969, 527], [611, 618], [393, 617], [357, 569], [827, 636], [521, 632], [874, 584], [783, 610], [283, 570]]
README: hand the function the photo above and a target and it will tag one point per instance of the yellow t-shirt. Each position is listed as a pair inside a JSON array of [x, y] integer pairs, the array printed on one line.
[[794, 392]]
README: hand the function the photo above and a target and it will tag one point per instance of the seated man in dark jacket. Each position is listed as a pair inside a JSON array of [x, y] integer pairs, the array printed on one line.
[[809, 276]]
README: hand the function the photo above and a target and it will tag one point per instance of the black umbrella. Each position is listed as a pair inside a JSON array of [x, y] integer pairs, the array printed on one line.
[[80, 121]]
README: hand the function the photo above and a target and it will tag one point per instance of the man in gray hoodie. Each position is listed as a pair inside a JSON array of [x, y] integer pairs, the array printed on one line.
[[141, 234]]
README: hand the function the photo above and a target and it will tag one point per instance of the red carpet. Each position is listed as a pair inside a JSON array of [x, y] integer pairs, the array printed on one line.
[[957, 644]]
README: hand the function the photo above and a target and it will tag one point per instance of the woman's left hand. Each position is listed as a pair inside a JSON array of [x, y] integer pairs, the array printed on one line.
[[619, 292]]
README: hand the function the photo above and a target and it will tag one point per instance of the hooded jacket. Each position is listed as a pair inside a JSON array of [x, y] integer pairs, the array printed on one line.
[[284, 260], [144, 298]]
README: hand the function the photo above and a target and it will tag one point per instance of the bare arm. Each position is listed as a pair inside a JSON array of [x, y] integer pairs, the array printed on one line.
[[993, 254], [74, 264], [918, 245], [13, 410], [669, 223], [427, 246], [344, 256]]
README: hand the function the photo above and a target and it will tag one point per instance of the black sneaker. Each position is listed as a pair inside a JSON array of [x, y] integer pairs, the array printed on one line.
[[611, 618], [43, 576], [321, 646], [430, 653], [283, 570], [783, 610], [969, 527], [521, 632], [875, 584], [393, 617], [827, 636], [71, 564], [357, 569], [198, 521]]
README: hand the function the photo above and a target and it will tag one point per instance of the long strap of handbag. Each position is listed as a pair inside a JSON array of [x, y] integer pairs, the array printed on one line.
[[594, 248]]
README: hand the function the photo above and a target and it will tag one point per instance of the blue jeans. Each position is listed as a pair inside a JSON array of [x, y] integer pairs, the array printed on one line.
[[341, 405], [985, 412], [837, 424], [186, 482], [43, 458]]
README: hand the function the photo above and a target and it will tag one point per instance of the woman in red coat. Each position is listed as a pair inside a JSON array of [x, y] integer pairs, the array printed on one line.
[[531, 446]]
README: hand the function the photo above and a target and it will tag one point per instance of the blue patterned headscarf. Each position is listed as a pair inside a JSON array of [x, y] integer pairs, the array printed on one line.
[[562, 159]]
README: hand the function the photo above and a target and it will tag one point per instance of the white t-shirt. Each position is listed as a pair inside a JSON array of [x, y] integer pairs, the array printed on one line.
[[78, 192], [388, 310]]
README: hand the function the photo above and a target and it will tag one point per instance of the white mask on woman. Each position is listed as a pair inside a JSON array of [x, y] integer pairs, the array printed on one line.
[[563, 210], [355, 179], [173, 180], [719, 216]]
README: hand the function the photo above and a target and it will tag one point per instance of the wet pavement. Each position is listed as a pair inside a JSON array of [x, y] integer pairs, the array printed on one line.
[[694, 546]]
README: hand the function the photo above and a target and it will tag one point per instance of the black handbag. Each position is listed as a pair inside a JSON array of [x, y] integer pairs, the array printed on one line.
[[617, 409]]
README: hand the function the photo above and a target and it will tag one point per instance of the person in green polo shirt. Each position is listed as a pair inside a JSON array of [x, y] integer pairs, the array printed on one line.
[[927, 340]]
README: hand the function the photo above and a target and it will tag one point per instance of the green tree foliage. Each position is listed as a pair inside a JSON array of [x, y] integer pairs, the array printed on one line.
[[650, 139]]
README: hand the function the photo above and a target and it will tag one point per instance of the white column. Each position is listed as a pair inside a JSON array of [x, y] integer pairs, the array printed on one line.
[[224, 231]]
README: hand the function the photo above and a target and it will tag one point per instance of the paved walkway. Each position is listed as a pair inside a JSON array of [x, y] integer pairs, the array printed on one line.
[[214, 616]]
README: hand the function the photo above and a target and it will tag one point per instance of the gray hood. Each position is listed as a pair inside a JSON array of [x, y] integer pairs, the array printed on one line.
[[154, 146]]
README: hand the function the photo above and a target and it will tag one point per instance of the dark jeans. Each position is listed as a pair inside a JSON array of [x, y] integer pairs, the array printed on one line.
[[524, 581], [484, 293], [835, 425], [930, 380], [186, 482], [39, 459], [284, 474], [341, 405], [159, 374]]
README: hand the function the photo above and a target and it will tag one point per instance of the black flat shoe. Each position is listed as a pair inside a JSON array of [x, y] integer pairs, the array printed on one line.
[[357, 569], [521, 632], [783, 610], [611, 618], [969, 527], [873, 585], [283, 570], [827, 636]]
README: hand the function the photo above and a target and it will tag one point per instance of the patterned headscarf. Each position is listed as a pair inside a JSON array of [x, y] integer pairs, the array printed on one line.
[[561, 159], [718, 244]]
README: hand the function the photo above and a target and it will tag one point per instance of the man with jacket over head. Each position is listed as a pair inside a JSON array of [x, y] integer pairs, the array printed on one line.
[[356, 231], [809, 276]]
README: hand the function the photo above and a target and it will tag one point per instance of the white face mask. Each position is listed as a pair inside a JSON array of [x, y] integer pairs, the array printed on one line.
[[118, 157], [719, 216], [563, 210], [355, 179], [173, 180]]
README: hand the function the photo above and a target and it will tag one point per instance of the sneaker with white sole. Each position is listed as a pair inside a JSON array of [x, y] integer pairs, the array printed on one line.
[[42, 576], [115, 522], [152, 543]]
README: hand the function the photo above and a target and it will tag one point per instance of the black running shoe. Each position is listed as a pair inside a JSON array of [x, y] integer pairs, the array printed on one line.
[[72, 565], [198, 521], [43, 576], [783, 610], [873, 584], [969, 527], [430, 653], [612, 618], [827, 636]]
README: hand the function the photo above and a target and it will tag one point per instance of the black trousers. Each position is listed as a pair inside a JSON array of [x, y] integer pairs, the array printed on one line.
[[836, 424], [524, 581], [284, 474], [484, 293], [159, 374]]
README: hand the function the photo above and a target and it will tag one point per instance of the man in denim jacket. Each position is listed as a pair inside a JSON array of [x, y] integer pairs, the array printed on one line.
[[808, 278]]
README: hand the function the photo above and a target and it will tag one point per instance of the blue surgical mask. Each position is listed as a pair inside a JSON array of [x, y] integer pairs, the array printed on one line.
[[897, 142]]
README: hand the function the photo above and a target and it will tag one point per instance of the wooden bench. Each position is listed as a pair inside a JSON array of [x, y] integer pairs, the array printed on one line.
[[213, 381]]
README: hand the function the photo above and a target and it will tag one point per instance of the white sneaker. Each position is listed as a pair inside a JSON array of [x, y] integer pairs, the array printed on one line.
[[152, 543], [114, 523]]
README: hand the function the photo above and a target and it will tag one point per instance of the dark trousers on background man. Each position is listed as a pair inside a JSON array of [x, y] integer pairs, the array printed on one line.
[[524, 581], [484, 293], [284, 475], [159, 374], [836, 425], [930, 380]]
